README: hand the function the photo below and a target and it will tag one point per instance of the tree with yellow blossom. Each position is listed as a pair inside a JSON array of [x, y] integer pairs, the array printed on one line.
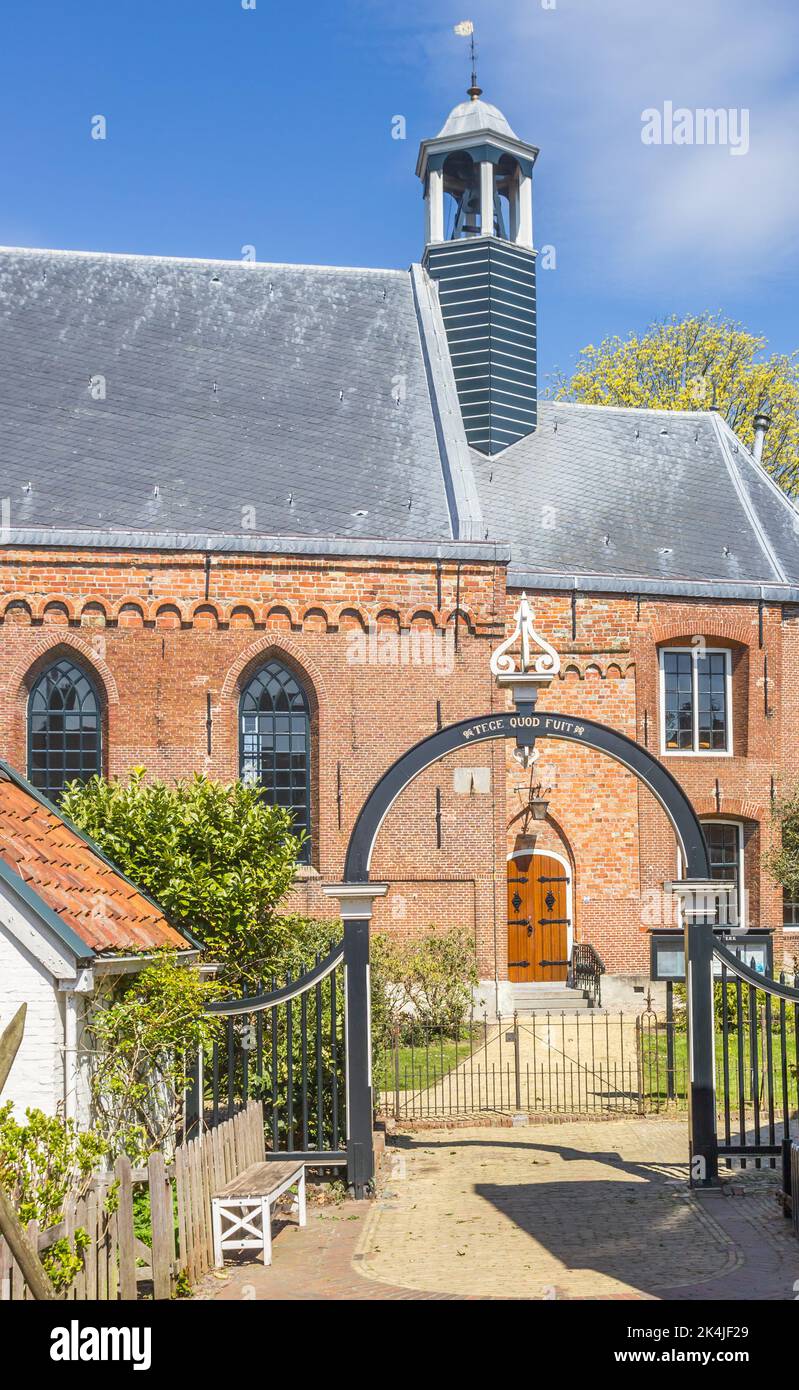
[[697, 363]]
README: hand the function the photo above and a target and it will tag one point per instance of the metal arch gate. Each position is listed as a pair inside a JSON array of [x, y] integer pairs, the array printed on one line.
[[303, 1050], [352, 1143], [525, 726]]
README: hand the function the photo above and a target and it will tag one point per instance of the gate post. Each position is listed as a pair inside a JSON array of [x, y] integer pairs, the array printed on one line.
[[699, 899], [355, 905]]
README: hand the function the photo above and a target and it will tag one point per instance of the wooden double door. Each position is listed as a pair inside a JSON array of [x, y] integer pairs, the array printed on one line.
[[538, 922]]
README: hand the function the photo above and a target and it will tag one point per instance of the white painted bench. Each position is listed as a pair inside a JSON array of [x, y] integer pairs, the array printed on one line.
[[242, 1210]]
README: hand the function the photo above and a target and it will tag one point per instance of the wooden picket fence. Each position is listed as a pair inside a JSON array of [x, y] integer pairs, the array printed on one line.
[[117, 1265], [202, 1167]]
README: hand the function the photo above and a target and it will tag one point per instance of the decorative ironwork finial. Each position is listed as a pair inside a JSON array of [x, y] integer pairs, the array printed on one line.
[[538, 669]]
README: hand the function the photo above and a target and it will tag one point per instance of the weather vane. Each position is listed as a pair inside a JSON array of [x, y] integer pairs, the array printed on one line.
[[466, 31]]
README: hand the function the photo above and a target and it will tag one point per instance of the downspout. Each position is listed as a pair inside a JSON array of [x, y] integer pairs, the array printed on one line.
[[72, 989], [70, 1055]]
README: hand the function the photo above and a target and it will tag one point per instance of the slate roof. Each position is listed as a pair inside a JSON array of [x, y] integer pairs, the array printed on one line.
[[73, 879], [668, 497], [276, 408], [297, 392]]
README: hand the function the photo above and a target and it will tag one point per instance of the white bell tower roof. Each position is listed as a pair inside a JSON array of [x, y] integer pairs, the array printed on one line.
[[468, 117]]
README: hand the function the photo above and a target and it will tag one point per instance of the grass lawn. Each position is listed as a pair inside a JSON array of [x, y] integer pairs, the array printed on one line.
[[655, 1069], [422, 1066]]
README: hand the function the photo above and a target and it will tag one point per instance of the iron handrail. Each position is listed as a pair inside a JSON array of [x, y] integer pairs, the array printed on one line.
[[586, 965]]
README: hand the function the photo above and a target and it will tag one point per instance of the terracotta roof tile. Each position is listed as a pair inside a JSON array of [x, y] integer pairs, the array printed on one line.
[[101, 907]]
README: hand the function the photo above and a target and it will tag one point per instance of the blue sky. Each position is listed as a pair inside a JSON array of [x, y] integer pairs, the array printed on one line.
[[272, 126]]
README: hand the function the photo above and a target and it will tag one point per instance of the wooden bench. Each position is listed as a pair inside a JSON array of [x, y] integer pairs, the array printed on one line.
[[246, 1205]]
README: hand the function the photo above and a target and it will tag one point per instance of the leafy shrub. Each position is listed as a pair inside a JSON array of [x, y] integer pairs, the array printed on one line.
[[140, 1037], [425, 984], [216, 856], [42, 1163]]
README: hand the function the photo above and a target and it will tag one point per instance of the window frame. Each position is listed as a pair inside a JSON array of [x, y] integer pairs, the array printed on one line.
[[64, 659], [694, 653], [305, 854], [789, 928], [743, 919], [738, 826]]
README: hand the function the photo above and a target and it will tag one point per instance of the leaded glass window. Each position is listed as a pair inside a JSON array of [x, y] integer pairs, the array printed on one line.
[[64, 729], [275, 743], [695, 701]]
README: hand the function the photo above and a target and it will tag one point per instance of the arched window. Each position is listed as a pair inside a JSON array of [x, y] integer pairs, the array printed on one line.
[[64, 729], [275, 741]]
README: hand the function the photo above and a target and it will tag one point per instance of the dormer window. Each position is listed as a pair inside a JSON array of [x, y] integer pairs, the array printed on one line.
[[696, 703]]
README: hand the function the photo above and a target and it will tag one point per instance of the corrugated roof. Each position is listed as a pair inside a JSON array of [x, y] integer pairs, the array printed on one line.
[[73, 879]]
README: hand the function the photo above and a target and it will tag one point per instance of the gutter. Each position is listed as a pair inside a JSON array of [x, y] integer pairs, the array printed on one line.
[[129, 965], [632, 585], [227, 543]]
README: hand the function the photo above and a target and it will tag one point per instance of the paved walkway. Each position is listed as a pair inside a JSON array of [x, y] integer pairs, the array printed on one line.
[[571, 1211]]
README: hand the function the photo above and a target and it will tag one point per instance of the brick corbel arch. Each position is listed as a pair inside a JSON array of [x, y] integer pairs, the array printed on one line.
[[734, 807]]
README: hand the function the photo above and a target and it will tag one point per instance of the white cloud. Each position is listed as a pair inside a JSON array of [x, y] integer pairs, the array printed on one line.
[[575, 80]]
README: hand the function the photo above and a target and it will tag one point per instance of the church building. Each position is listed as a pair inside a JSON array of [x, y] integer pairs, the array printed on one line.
[[271, 521]]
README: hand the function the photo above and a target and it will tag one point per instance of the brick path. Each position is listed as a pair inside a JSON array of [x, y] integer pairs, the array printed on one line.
[[574, 1211]]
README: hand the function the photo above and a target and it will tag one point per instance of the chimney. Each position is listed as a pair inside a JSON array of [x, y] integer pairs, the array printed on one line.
[[762, 423]]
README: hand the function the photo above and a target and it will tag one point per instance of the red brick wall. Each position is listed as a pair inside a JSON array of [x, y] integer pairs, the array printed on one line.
[[161, 633], [157, 648], [618, 838]]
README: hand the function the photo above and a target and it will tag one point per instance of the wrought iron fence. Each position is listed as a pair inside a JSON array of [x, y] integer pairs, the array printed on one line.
[[757, 1065], [287, 1048], [586, 968], [599, 1063], [582, 1062]]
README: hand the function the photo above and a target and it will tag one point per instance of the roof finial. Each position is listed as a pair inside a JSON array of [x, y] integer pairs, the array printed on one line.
[[466, 31]]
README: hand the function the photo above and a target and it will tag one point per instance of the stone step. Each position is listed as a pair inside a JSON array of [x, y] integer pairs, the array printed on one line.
[[531, 1000]]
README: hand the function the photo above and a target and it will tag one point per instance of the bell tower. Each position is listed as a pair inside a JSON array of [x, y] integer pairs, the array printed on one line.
[[477, 178]]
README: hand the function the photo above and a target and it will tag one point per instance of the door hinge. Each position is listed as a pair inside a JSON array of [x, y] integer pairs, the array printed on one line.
[[564, 878], [512, 964], [554, 921]]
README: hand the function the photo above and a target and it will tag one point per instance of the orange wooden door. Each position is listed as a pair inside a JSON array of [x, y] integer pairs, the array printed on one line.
[[538, 926]]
